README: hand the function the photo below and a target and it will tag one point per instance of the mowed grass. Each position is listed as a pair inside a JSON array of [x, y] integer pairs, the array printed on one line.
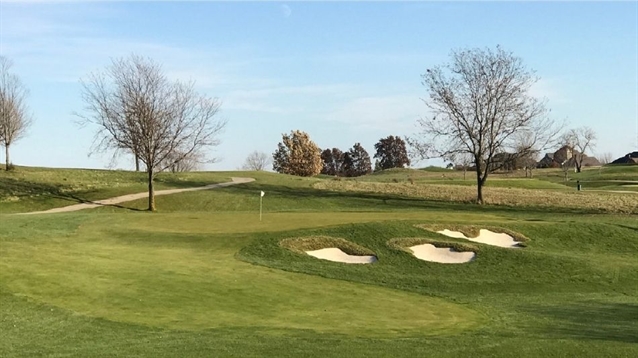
[[193, 282], [31, 189], [205, 277]]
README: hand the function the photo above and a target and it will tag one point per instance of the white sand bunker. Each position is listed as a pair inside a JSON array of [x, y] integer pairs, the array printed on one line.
[[485, 237], [336, 255], [443, 255]]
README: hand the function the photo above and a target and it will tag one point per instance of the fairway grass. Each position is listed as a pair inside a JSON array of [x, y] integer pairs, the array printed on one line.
[[205, 277], [193, 282]]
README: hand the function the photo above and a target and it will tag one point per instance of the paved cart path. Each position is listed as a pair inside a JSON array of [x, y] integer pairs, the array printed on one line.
[[131, 197]]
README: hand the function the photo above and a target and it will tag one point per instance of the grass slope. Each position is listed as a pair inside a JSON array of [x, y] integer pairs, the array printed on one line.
[[32, 189], [204, 277]]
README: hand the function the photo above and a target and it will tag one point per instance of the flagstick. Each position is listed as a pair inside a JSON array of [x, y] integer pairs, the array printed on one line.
[[261, 198]]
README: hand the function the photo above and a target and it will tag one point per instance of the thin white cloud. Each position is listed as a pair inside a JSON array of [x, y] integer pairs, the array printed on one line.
[[389, 113], [306, 90], [286, 10], [285, 99], [550, 89]]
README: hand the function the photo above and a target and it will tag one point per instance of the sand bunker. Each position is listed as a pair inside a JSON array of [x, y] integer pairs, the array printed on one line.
[[444, 255], [336, 255], [485, 237]]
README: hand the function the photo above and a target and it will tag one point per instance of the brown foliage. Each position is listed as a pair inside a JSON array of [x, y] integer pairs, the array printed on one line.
[[391, 152], [297, 155]]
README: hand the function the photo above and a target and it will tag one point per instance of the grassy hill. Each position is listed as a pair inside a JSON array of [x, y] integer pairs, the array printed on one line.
[[204, 277], [32, 189]]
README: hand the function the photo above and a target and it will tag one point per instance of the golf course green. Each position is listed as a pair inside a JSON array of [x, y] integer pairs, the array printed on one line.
[[204, 277]]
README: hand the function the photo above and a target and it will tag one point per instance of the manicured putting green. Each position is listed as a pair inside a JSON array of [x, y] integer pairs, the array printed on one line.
[[194, 282]]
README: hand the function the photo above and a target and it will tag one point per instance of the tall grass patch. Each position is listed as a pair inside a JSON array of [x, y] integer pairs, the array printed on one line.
[[404, 244], [302, 244], [514, 197], [473, 230]]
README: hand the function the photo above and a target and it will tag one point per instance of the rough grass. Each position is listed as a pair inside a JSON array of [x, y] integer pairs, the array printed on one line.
[[404, 244], [302, 244], [472, 230], [513, 197]]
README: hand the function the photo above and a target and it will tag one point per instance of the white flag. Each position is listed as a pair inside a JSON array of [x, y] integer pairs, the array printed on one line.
[[262, 193]]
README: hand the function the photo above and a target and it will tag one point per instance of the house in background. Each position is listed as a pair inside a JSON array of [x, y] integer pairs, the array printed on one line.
[[567, 156], [630, 158]]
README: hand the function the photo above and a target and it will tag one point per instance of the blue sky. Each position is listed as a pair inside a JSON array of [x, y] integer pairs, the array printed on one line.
[[344, 72]]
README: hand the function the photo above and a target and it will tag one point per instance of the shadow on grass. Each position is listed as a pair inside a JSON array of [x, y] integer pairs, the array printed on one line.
[[628, 227], [591, 320], [25, 189], [176, 183]]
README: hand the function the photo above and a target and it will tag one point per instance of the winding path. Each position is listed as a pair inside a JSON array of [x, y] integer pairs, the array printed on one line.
[[131, 197]]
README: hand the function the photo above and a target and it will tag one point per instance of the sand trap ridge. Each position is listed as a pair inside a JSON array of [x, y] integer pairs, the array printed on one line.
[[336, 255], [444, 255], [485, 237]]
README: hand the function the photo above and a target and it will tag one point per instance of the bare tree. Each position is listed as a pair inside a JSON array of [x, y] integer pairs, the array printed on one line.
[[478, 102], [606, 158], [178, 163], [463, 162], [526, 154], [256, 161], [136, 108], [579, 140], [565, 167], [14, 119]]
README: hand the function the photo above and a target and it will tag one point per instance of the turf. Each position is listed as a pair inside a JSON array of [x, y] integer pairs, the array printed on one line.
[[31, 189], [205, 277]]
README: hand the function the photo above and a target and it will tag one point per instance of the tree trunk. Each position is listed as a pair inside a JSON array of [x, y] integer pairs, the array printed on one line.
[[6, 157], [151, 192], [137, 163], [479, 186]]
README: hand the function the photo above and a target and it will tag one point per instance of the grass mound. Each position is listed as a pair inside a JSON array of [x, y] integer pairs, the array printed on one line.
[[404, 244], [311, 243], [473, 230]]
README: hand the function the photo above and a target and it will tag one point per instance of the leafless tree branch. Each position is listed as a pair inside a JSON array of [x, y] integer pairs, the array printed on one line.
[[256, 161], [137, 109], [14, 119], [480, 105]]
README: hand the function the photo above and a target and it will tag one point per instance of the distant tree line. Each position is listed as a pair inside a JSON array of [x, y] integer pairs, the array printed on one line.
[[298, 155]]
